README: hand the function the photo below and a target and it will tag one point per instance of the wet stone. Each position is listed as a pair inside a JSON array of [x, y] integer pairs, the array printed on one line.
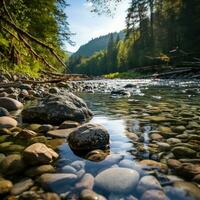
[[10, 104], [117, 180], [88, 137], [86, 182], [183, 152], [5, 186], [7, 122], [59, 183], [12, 164], [39, 153], [22, 186], [90, 195], [3, 112], [148, 183], [39, 170], [190, 188], [154, 195]]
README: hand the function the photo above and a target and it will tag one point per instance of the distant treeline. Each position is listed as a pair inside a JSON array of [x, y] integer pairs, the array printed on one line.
[[154, 28]]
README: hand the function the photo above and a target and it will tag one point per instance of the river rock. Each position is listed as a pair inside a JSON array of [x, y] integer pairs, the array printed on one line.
[[188, 170], [163, 146], [197, 179], [10, 104], [96, 155], [45, 128], [25, 133], [179, 129], [121, 92], [190, 188], [39, 170], [39, 153], [57, 109], [3, 112], [131, 165], [69, 124], [154, 164], [78, 164], [60, 133], [5, 186], [154, 195], [183, 152], [86, 182], [12, 164], [22, 186], [156, 119], [117, 180], [68, 169], [174, 164], [58, 183], [54, 90], [90, 195], [148, 183], [88, 137], [7, 122]]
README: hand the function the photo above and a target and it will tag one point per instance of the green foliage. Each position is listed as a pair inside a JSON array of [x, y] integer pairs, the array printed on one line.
[[124, 75], [45, 21]]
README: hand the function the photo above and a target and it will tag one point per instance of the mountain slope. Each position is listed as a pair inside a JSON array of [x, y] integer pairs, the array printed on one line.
[[96, 44]]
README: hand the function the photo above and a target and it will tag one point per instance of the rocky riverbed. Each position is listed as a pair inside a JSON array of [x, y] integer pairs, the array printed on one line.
[[115, 140]]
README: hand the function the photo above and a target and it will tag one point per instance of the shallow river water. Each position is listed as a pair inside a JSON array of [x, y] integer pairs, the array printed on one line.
[[154, 129]]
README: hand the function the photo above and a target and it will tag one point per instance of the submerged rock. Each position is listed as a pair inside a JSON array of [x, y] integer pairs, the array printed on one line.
[[88, 137], [90, 195], [57, 109], [154, 195], [148, 183], [10, 104], [117, 180], [190, 188], [58, 183]]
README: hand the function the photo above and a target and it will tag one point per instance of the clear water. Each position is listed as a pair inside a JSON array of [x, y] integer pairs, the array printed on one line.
[[122, 116]]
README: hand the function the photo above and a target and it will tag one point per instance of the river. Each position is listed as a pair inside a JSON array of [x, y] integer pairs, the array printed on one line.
[[156, 124]]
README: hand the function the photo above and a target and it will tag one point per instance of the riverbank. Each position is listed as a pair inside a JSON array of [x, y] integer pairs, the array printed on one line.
[[146, 140], [162, 72]]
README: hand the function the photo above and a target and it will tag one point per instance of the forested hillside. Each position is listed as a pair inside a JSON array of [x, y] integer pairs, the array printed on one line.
[[157, 30], [32, 34], [97, 44]]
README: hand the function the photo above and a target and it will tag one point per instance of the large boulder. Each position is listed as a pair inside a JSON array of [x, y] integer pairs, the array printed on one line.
[[88, 137], [10, 104], [39, 153], [57, 109]]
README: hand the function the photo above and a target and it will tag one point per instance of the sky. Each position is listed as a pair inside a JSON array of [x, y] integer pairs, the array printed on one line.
[[86, 25]]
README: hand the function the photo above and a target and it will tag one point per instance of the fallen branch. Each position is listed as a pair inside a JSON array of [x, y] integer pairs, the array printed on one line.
[[22, 32]]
